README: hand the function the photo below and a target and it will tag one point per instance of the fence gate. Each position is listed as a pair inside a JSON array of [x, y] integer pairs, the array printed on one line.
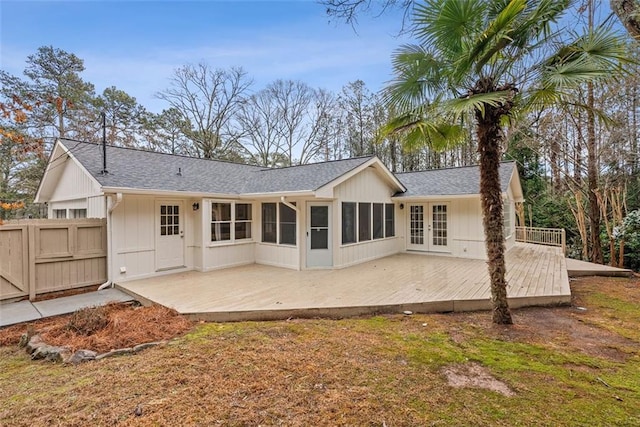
[[40, 256]]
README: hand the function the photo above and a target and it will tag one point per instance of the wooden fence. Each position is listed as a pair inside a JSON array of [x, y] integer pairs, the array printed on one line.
[[40, 256], [542, 236]]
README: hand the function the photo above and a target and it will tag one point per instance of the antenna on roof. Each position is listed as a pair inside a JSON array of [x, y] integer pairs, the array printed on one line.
[[104, 143]]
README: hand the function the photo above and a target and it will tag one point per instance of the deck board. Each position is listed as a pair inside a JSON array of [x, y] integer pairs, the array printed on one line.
[[417, 282]]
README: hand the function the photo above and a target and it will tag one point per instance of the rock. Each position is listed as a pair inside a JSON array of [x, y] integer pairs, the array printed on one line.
[[33, 344], [146, 345], [81, 356], [50, 352], [118, 352], [24, 340], [407, 313], [138, 411]]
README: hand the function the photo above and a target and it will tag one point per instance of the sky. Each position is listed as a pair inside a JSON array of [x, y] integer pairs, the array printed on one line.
[[136, 45]]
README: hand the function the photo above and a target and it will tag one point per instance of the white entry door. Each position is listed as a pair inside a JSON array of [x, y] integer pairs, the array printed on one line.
[[428, 225], [319, 253], [169, 234]]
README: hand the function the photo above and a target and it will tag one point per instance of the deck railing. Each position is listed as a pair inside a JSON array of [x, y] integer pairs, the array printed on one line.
[[542, 236]]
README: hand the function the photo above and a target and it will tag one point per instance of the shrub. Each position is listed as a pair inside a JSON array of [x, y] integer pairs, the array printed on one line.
[[87, 321]]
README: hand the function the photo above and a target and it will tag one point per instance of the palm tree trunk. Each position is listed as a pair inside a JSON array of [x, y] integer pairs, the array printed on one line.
[[489, 140]]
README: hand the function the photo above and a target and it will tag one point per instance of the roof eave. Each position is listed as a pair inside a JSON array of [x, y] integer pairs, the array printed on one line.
[[270, 195], [168, 193], [418, 198]]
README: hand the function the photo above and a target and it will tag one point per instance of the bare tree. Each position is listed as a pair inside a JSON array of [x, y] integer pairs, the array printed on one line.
[[209, 101], [259, 118], [286, 123]]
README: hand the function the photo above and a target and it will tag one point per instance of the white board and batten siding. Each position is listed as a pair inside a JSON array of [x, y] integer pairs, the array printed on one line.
[[135, 229], [369, 187], [466, 229], [77, 190]]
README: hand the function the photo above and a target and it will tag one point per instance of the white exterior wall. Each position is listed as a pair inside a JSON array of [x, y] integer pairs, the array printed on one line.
[[366, 186], [466, 230], [510, 239], [77, 190], [133, 238]]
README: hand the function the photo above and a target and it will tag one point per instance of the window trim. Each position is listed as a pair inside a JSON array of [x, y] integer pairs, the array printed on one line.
[[232, 222]]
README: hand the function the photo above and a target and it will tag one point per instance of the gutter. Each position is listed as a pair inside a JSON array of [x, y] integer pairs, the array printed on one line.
[[110, 209]]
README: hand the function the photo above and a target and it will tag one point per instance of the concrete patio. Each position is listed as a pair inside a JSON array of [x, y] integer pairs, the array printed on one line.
[[537, 275]]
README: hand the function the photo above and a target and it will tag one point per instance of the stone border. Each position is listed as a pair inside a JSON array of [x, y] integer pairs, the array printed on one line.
[[38, 349]]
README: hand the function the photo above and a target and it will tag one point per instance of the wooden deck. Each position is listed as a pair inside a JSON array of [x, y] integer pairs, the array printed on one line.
[[537, 275]]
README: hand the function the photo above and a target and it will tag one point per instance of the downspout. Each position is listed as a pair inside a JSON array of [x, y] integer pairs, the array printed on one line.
[[110, 209]]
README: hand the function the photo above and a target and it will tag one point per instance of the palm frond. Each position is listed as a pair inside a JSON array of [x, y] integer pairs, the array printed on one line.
[[447, 24], [498, 33], [475, 102], [417, 77]]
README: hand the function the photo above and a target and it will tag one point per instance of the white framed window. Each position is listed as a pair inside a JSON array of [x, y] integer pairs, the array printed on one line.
[[230, 221], [366, 221], [279, 224], [389, 220], [77, 213], [60, 213]]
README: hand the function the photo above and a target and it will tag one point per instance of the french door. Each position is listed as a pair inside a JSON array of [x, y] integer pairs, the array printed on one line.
[[428, 227]]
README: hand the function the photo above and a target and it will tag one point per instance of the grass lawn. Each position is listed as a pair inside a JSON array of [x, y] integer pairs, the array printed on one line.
[[559, 366]]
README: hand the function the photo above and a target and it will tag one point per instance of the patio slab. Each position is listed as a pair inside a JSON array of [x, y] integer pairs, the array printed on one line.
[[415, 282], [577, 268], [26, 311]]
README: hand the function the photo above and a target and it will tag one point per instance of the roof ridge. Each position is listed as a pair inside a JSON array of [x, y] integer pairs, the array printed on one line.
[[267, 169], [140, 150], [451, 167]]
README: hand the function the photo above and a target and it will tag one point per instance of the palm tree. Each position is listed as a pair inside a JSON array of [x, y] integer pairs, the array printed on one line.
[[488, 61]]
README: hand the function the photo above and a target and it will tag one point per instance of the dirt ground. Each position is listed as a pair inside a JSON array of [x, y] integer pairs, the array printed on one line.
[[561, 366]]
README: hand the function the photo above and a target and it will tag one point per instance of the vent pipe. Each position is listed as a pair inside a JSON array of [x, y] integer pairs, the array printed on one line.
[[104, 143]]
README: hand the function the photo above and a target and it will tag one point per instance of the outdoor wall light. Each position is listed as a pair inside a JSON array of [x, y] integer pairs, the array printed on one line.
[[196, 206], [401, 206]]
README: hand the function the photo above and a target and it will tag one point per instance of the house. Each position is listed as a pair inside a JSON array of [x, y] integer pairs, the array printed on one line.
[[167, 213]]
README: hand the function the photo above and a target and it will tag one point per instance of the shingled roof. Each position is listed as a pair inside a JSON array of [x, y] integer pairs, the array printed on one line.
[[450, 181], [137, 169], [147, 170]]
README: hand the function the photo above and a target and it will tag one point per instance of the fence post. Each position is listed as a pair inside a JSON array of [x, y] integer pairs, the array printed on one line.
[[31, 233], [564, 241]]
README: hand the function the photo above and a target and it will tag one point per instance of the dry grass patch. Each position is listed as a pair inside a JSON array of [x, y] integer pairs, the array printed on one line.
[[386, 370], [104, 328]]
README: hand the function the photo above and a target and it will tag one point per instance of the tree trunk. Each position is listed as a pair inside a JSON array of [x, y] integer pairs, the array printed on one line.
[[628, 12], [592, 179], [489, 141]]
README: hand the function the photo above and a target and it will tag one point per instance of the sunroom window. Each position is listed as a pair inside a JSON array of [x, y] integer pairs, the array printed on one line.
[[279, 224]]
